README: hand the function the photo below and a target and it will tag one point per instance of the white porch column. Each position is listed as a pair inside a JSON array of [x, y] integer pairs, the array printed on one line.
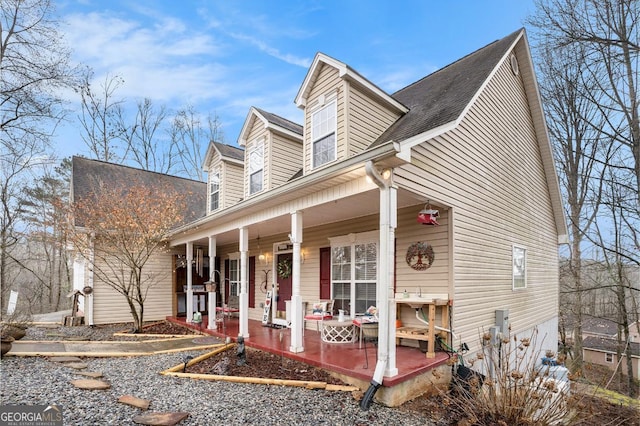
[[385, 297], [211, 308], [296, 299], [385, 291], [189, 282], [244, 295]]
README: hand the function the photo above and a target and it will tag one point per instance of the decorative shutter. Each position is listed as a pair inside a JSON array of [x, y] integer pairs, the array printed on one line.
[[325, 273], [252, 282]]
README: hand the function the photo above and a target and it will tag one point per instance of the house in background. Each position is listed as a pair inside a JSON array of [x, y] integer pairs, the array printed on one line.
[[444, 191]]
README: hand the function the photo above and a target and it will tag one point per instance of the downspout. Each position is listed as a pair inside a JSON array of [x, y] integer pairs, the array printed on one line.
[[90, 297], [384, 289]]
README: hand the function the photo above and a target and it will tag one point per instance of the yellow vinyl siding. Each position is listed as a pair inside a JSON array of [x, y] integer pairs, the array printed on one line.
[[327, 84], [232, 181], [490, 170], [112, 307], [286, 158], [367, 120]]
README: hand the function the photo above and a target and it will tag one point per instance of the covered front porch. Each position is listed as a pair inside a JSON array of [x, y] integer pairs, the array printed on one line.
[[347, 361]]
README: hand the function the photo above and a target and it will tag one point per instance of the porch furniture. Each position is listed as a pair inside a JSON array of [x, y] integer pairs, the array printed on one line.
[[334, 331], [359, 321], [232, 306], [425, 332], [320, 311], [369, 333]]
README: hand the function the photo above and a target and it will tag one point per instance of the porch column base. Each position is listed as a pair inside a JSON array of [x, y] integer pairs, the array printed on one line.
[[244, 315], [296, 350], [212, 310], [297, 342]]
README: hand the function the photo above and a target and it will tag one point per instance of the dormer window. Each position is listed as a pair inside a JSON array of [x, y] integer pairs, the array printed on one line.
[[256, 167], [214, 191], [323, 135]]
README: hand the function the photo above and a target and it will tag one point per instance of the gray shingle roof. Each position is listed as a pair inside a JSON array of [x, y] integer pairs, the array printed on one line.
[[442, 96], [608, 345], [229, 151], [87, 173], [281, 122]]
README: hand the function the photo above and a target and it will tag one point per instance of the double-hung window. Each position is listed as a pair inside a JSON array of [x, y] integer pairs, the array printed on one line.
[[256, 167], [234, 277], [214, 191], [519, 259], [354, 271], [323, 135]]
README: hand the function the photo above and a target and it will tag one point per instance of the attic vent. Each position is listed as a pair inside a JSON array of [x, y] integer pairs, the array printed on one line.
[[514, 65]]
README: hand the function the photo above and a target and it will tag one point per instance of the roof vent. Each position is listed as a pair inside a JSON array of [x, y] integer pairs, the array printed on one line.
[[514, 64]]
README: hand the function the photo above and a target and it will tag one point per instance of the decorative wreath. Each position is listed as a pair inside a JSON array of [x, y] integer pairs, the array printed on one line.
[[420, 256], [284, 268]]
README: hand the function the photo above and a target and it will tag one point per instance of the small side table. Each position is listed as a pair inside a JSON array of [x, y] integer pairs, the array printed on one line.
[[334, 331]]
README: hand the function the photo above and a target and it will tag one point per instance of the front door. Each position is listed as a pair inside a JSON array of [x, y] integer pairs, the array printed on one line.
[[283, 271]]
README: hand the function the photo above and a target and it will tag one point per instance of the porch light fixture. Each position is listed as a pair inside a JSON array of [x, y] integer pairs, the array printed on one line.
[[428, 215]]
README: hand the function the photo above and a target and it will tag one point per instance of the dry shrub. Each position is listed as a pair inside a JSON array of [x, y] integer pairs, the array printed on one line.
[[512, 389]]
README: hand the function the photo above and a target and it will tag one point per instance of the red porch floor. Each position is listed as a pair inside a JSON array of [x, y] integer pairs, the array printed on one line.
[[343, 358]]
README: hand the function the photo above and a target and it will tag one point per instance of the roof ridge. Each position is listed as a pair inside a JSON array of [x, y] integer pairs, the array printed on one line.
[[455, 62]]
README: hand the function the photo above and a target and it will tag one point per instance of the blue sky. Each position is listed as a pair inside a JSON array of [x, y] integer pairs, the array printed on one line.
[[223, 57]]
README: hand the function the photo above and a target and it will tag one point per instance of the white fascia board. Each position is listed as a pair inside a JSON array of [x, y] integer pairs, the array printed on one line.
[[301, 97], [385, 97], [246, 127], [406, 145]]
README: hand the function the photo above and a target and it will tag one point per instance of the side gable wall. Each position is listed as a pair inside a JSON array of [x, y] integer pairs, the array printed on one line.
[[231, 182], [490, 170]]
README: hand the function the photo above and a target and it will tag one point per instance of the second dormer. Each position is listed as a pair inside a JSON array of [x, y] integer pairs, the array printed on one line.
[[344, 112], [273, 151], [224, 165]]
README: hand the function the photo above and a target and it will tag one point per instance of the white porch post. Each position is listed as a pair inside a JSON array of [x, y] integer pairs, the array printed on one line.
[[244, 295], [189, 282], [385, 297], [296, 299], [212, 277], [385, 291]]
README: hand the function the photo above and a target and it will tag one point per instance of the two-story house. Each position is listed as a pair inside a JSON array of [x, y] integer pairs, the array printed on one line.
[[445, 190]]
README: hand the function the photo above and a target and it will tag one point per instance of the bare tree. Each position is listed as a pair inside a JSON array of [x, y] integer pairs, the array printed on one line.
[[119, 239], [606, 33], [99, 119], [189, 135], [142, 145], [34, 68]]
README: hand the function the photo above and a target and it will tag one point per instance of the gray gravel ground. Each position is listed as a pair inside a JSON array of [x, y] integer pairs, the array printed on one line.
[[40, 381]]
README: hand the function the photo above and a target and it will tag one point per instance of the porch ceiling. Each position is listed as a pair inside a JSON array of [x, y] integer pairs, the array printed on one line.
[[360, 205]]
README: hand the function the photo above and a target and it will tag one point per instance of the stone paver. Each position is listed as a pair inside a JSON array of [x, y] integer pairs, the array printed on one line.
[[90, 384], [134, 401], [92, 374], [77, 365], [65, 359], [160, 418]]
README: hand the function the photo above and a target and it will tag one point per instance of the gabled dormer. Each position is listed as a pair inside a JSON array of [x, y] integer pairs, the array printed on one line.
[[343, 112], [224, 165], [273, 151]]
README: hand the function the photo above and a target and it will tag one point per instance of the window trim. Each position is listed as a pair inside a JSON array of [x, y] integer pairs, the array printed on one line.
[[329, 103], [259, 146], [216, 172], [608, 357], [514, 286], [351, 240]]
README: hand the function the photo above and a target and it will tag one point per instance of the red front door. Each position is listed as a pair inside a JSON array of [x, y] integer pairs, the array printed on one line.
[[283, 271]]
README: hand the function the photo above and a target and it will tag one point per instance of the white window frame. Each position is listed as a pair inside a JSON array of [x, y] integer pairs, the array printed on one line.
[[518, 267], [215, 173], [258, 148], [351, 241], [318, 134], [234, 280]]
